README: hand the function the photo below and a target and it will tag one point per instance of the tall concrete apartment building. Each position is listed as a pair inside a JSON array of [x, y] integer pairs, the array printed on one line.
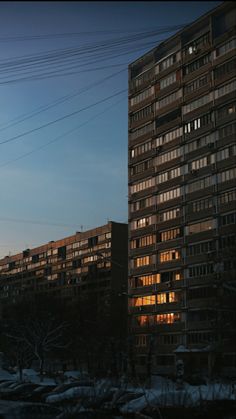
[[182, 199], [89, 265]]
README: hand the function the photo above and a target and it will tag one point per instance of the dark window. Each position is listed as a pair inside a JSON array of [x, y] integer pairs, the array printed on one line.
[[76, 263], [62, 252], [225, 68], [35, 258], [168, 118], [92, 241]]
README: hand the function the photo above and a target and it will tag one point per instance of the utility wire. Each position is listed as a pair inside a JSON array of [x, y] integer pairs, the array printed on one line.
[[61, 136], [8, 38], [16, 137], [56, 102]]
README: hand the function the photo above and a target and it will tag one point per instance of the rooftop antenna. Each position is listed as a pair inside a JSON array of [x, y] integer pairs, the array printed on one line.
[[81, 227]]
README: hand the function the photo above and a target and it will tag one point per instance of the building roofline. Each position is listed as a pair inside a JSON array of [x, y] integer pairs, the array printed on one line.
[[223, 5], [57, 243]]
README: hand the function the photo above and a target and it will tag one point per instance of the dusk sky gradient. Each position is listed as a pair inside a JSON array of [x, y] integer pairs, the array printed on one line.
[[80, 179]]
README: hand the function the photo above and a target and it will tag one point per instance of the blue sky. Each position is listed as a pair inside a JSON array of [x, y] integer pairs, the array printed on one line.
[[81, 179]]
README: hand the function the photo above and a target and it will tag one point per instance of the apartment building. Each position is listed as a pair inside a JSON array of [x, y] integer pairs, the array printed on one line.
[[88, 266], [182, 199]]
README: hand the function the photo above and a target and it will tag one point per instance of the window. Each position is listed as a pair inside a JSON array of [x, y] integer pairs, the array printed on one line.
[[196, 84], [193, 46], [224, 90], [195, 65], [141, 114], [169, 276], [167, 62], [227, 175], [227, 241], [198, 123], [142, 96], [228, 219], [227, 130], [141, 340], [228, 46], [167, 196], [201, 142], [168, 99], [169, 255], [171, 155], [226, 110], [201, 204], [142, 261], [200, 248], [199, 163], [191, 106], [225, 153], [170, 234], [169, 117], [168, 340], [145, 77], [167, 81], [167, 297], [142, 242], [145, 280], [141, 222], [137, 187], [169, 215], [146, 320], [141, 167], [146, 129], [168, 137], [228, 196], [199, 227], [141, 149], [225, 68], [194, 337], [168, 318], [146, 300], [199, 184], [142, 203], [165, 176], [201, 270]]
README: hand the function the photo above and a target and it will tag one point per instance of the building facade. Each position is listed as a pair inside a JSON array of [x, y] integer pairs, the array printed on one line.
[[182, 199], [90, 267]]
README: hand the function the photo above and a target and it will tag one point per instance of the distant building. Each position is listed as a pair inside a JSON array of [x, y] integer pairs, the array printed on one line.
[[89, 266], [182, 199]]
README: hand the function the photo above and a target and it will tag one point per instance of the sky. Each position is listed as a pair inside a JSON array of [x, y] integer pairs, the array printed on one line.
[[63, 58]]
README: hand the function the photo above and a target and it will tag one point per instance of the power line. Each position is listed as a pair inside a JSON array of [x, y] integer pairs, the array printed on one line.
[[8, 38], [16, 137], [61, 136], [56, 102]]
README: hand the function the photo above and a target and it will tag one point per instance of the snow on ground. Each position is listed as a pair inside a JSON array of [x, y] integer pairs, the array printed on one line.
[[71, 393], [5, 375], [166, 393]]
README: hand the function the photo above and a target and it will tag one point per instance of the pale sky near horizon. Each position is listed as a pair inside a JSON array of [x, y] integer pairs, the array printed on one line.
[[80, 179]]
